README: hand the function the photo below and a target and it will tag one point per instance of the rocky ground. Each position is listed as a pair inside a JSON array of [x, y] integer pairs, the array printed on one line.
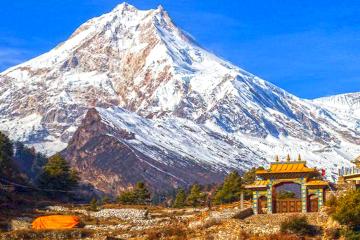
[[139, 222]]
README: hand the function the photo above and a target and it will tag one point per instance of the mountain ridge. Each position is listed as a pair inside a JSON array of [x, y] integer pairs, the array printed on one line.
[[140, 61]]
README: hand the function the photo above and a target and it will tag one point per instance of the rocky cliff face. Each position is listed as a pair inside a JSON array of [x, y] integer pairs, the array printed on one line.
[[110, 157], [140, 61]]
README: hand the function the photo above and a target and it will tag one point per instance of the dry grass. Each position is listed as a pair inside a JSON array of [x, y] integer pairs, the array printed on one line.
[[175, 232], [282, 236], [231, 205], [178, 228], [46, 234]]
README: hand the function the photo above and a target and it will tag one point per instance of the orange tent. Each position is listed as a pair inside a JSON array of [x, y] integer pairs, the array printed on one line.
[[55, 222]]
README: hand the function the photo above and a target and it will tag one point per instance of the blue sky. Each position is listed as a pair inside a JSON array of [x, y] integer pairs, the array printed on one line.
[[309, 48]]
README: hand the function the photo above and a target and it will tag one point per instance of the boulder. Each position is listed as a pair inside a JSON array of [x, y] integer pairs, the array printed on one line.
[[20, 223]]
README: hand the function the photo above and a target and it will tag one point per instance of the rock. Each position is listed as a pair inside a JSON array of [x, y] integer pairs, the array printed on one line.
[[205, 223], [21, 223], [108, 227], [215, 217], [65, 209], [57, 208], [232, 213]]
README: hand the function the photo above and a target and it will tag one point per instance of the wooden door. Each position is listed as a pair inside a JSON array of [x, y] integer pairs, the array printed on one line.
[[314, 205], [288, 205], [262, 205]]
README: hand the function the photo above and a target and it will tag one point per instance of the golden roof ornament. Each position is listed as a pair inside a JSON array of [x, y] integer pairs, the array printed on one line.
[[276, 158], [299, 158], [288, 158]]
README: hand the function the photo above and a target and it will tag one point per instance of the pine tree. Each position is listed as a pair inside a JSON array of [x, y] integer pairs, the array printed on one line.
[[126, 197], [93, 204], [196, 197], [139, 195], [30, 162], [7, 166], [180, 199], [142, 194], [37, 166], [57, 175], [249, 178], [6, 152], [230, 190], [105, 200]]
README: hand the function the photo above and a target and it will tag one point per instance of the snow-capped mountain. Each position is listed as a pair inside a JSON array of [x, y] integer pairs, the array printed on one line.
[[140, 61], [346, 107], [165, 153]]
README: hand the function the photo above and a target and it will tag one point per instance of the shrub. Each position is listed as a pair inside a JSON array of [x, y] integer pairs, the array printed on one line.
[[299, 226], [350, 234], [332, 233], [279, 236], [347, 210], [175, 231], [331, 201]]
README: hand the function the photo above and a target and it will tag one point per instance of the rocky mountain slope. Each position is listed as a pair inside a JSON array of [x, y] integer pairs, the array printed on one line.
[[187, 107], [122, 148]]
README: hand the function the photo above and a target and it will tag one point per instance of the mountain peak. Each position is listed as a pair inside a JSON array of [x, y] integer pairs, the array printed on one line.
[[140, 61], [160, 7], [124, 6]]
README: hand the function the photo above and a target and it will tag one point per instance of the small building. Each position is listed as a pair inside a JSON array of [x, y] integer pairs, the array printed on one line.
[[350, 176], [288, 186]]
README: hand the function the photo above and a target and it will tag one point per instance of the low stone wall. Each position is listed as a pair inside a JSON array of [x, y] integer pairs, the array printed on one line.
[[125, 214]]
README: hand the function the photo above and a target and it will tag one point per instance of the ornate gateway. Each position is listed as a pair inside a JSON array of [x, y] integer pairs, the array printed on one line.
[[288, 186]]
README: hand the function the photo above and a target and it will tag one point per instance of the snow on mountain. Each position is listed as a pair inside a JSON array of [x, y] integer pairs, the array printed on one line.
[[348, 101], [140, 61], [178, 136], [217, 149], [346, 107]]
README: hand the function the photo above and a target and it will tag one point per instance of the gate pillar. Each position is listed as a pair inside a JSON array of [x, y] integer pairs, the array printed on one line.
[[269, 199], [255, 202], [320, 198], [303, 198]]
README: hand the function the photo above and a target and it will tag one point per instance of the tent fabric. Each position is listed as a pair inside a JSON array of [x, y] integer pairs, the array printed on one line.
[[55, 222]]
